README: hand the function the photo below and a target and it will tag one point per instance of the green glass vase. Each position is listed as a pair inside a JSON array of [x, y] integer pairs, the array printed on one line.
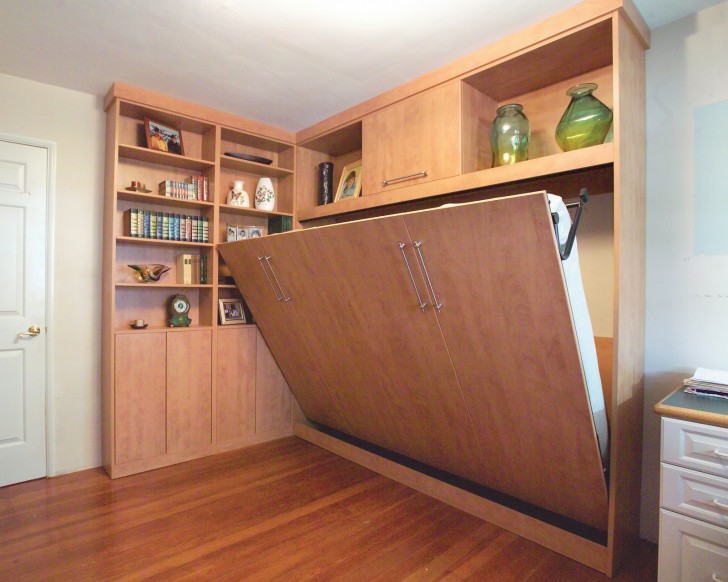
[[586, 120], [509, 135]]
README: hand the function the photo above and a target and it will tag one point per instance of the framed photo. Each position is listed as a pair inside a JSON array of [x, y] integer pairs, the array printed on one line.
[[350, 183], [231, 233], [163, 137], [254, 231], [231, 312]]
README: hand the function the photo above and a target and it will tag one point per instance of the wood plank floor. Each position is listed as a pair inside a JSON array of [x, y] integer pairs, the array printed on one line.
[[285, 510]]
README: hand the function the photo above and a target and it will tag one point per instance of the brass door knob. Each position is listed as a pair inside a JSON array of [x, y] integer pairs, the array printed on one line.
[[33, 331]]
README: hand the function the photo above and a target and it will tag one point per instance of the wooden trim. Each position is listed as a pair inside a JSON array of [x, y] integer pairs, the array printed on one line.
[[132, 468], [553, 538], [629, 296], [524, 39], [691, 415], [592, 157], [172, 104]]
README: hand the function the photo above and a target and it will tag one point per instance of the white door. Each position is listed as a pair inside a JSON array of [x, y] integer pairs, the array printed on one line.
[[23, 190]]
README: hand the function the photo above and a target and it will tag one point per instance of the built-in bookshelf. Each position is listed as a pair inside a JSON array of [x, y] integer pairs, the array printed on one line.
[[170, 209]]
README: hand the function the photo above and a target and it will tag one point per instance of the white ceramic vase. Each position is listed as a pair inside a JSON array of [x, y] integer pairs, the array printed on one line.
[[238, 196], [265, 197]]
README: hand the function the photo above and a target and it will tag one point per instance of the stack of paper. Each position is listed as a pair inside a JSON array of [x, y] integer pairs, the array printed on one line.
[[708, 382]]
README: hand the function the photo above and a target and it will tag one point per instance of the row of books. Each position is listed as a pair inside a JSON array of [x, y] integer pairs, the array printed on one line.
[[139, 223], [192, 269], [194, 188]]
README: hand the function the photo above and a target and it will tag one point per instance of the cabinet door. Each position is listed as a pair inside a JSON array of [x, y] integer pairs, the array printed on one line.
[[281, 331], [507, 322], [272, 396], [189, 390], [403, 343], [327, 327], [139, 396], [418, 134], [235, 392]]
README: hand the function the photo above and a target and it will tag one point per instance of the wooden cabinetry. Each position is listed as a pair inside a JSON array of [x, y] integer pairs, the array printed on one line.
[[167, 409], [600, 41], [412, 141]]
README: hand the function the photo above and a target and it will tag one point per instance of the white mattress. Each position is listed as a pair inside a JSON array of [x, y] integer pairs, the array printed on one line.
[[582, 323]]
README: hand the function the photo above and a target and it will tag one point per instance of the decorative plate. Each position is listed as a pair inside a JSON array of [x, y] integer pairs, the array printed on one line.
[[250, 158]]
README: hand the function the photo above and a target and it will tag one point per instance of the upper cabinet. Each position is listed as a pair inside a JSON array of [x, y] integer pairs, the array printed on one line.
[[431, 136], [413, 141]]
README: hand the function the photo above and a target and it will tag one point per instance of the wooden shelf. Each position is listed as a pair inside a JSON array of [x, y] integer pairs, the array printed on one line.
[[159, 242], [157, 329], [165, 285], [157, 199], [586, 158], [252, 211], [163, 158], [253, 167], [227, 286]]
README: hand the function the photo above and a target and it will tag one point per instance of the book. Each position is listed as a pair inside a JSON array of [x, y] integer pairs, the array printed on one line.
[[708, 383], [279, 224], [184, 269], [131, 219]]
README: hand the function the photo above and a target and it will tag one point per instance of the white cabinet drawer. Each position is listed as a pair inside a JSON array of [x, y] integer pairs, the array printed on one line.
[[690, 550], [695, 494], [695, 446]]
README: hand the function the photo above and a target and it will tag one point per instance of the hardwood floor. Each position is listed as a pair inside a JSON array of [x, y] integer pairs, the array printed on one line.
[[285, 510]]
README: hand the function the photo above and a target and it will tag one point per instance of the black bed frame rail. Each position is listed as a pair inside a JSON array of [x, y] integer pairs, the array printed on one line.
[[565, 250]]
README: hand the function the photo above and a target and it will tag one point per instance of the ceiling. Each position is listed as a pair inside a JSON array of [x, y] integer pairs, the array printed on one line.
[[289, 63]]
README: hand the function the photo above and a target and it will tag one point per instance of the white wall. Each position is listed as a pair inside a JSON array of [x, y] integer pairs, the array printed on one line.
[[687, 288], [75, 122]]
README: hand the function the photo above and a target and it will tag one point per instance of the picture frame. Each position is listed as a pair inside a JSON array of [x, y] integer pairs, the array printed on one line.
[[163, 137], [231, 233], [254, 231], [350, 182], [232, 312]]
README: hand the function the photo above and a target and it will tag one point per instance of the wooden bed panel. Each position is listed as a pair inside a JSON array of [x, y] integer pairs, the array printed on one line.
[[403, 344], [280, 333], [508, 327]]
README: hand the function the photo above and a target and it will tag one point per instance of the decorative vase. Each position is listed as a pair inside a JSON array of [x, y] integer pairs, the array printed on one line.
[[326, 182], [265, 197], [586, 120], [238, 196], [509, 135]]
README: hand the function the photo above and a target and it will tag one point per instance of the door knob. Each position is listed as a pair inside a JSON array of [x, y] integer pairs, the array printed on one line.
[[33, 331]]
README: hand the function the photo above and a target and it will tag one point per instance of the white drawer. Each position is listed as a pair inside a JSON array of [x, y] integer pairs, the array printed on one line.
[[695, 494], [695, 446], [690, 550]]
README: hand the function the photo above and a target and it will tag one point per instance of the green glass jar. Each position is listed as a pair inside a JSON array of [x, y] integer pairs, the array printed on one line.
[[586, 120], [509, 135]]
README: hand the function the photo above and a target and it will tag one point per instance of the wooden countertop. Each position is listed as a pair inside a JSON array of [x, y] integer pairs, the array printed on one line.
[[694, 407]]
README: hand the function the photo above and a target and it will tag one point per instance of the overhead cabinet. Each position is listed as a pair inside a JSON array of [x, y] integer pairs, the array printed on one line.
[[413, 141]]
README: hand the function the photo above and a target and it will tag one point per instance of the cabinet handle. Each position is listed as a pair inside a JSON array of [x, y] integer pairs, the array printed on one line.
[[719, 504], [435, 302], [409, 270], [421, 174], [720, 455], [273, 272], [262, 266], [715, 578]]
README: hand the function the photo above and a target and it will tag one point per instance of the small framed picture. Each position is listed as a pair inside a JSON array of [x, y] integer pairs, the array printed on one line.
[[254, 231], [231, 312], [350, 183], [232, 233], [242, 232], [163, 137]]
